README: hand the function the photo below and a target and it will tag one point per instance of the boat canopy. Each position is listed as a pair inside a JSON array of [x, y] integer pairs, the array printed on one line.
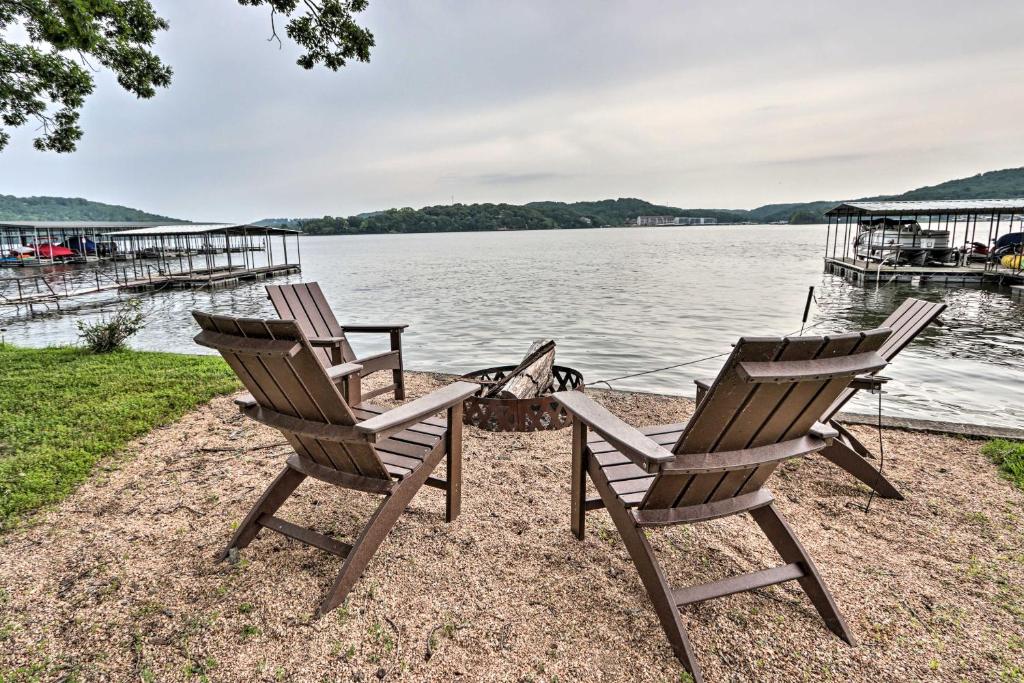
[[940, 207]]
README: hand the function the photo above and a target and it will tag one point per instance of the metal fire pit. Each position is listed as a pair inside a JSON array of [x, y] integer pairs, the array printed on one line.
[[519, 414]]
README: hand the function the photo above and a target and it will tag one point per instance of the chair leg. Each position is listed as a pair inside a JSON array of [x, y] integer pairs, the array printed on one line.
[[653, 578], [779, 533], [578, 495], [841, 454], [370, 538], [273, 498], [398, 374], [851, 440], [453, 441], [376, 530]]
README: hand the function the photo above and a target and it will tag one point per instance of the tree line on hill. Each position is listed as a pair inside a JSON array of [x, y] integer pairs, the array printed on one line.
[[476, 217], [68, 209], [1008, 183], [561, 215]]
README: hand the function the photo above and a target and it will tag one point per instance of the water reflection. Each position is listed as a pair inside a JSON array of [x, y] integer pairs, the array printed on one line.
[[620, 301]]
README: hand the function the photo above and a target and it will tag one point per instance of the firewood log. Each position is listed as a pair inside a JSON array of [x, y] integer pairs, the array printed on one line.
[[532, 377]]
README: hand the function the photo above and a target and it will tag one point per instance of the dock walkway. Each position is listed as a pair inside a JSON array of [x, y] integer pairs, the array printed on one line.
[[860, 271], [209, 278]]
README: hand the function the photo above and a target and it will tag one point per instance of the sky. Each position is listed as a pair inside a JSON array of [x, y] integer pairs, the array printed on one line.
[[689, 103]]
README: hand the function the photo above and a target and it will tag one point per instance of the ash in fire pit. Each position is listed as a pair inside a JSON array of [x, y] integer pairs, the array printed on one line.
[[516, 398]]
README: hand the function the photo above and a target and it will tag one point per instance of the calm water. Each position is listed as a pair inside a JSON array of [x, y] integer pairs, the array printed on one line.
[[620, 301]]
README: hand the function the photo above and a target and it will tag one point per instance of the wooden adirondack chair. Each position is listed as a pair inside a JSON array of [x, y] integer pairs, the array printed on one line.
[[305, 303], [846, 451], [359, 447], [762, 409]]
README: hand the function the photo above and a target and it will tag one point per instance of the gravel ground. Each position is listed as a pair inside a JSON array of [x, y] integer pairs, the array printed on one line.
[[118, 582]]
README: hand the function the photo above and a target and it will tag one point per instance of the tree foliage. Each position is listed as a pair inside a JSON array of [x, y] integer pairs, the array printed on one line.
[[49, 50], [326, 30], [69, 209], [474, 217]]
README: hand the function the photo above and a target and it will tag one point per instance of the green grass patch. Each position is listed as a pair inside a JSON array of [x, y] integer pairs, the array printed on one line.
[[1009, 457], [63, 409]]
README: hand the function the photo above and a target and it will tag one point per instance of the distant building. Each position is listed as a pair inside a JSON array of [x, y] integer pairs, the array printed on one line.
[[656, 220], [674, 220]]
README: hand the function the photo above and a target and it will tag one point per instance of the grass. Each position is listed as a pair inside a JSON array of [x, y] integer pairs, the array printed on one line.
[[1009, 457], [64, 409]]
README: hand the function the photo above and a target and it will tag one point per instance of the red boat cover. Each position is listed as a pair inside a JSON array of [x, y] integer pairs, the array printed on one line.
[[52, 251]]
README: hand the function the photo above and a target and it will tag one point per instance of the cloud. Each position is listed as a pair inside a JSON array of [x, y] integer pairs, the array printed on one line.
[[731, 103], [519, 178]]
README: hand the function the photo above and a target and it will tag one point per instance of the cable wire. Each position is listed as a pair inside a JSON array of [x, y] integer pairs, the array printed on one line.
[[607, 382]]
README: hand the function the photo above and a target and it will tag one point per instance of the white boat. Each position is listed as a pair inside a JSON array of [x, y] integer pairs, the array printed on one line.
[[901, 241]]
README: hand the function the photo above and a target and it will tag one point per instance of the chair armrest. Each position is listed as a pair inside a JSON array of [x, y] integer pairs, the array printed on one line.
[[329, 342], [338, 372], [703, 387], [395, 420], [246, 400], [869, 382], [629, 441], [373, 328], [824, 432]]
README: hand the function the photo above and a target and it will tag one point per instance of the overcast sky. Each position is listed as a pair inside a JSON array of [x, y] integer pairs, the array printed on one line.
[[721, 103]]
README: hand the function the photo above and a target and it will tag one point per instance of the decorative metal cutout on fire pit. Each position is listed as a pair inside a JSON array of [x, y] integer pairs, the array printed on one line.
[[519, 414]]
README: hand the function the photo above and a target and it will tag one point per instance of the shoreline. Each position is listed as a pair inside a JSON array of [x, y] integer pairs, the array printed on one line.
[[965, 429]]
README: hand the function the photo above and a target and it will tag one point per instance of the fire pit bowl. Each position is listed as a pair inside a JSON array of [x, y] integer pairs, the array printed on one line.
[[519, 414]]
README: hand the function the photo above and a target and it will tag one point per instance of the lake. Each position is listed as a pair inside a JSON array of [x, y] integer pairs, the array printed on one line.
[[620, 301]]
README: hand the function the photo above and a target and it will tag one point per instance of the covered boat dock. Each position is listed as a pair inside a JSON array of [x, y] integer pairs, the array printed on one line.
[[43, 243], [205, 255], [947, 242], [140, 258]]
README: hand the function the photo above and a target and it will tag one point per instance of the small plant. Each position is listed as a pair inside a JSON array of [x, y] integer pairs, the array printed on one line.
[[1009, 457], [110, 335], [249, 631]]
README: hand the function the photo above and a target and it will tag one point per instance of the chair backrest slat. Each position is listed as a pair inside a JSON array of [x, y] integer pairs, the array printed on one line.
[[800, 378], [294, 385], [306, 304], [906, 322]]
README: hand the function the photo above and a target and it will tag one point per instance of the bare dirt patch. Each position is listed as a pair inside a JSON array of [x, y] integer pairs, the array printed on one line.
[[119, 583]]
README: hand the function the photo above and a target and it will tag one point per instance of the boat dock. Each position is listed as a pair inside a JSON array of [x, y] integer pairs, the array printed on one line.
[[209, 278], [862, 272], [944, 242], [147, 259]]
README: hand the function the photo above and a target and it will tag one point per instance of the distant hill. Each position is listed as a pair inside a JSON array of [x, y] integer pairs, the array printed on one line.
[[281, 222], [68, 209], [1005, 184], [542, 215], [476, 217], [565, 215], [623, 210]]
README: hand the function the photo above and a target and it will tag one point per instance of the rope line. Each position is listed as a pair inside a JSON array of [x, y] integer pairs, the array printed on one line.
[[607, 382]]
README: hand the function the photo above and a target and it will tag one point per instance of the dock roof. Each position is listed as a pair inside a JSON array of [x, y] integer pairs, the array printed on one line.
[[78, 225], [144, 228], [939, 207], [169, 230]]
